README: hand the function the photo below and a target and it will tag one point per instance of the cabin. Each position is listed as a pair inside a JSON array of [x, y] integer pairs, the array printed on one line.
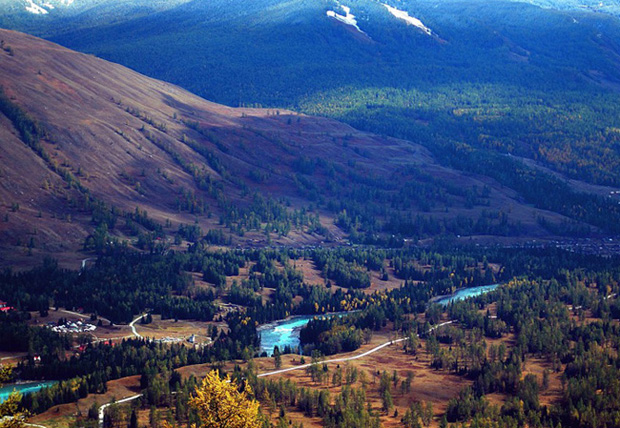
[[4, 306]]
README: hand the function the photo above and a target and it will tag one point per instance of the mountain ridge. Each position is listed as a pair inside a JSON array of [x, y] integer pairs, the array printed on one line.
[[114, 137]]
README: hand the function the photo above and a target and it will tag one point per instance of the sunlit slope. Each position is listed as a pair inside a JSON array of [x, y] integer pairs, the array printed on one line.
[[92, 145]]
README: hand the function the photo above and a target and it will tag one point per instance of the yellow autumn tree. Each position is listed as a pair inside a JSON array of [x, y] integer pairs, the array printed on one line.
[[11, 415], [220, 403]]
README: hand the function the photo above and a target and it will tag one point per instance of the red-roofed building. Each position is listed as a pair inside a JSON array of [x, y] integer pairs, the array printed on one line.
[[4, 306]]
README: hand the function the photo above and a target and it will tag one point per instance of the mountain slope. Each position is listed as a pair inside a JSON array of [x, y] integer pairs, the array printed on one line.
[[42, 16], [499, 76], [105, 140], [611, 7]]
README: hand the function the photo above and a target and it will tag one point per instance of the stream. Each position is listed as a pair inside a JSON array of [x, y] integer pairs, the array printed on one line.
[[286, 332], [463, 293], [24, 388]]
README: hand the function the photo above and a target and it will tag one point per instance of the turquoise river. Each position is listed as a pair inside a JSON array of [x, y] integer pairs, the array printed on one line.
[[24, 388], [286, 332]]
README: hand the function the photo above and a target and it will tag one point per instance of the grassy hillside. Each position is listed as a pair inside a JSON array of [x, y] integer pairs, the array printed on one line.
[[500, 105], [96, 152], [501, 76], [507, 77]]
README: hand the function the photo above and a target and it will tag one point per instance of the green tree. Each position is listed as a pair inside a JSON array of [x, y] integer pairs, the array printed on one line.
[[277, 358], [133, 420]]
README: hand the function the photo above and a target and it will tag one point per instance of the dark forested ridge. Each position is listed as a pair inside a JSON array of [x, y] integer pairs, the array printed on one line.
[[501, 76]]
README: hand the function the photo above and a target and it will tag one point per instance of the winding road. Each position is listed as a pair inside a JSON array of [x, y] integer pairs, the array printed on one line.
[[105, 406], [133, 327], [354, 357], [290, 369], [335, 360]]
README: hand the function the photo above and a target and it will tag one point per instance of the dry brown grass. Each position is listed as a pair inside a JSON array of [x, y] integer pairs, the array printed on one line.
[[429, 385], [378, 284], [553, 393], [82, 103], [61, 416], [312, 275], [181, 330]]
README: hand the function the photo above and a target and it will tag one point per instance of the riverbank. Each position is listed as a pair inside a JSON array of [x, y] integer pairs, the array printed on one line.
[[25, 387], [463, 293], [285, 332]]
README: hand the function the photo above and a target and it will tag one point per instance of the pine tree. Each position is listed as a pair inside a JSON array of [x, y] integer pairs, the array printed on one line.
[[133, 420], [277, 358]]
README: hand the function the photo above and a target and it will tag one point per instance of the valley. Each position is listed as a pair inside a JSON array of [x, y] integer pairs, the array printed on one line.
[[456, 343], [309, 213], [169, 165]]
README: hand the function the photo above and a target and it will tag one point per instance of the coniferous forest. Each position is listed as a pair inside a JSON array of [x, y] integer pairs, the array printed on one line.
[[552, 305], [402, 214]]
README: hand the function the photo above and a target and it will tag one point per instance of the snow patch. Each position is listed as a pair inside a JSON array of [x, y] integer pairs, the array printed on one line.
[[401, 14], [39, 7], [348, 18], [32, 7]]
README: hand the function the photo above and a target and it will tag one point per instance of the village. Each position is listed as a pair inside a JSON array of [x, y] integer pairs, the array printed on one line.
[[72, 327]]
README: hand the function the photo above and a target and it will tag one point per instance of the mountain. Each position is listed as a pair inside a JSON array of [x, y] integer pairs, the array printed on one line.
[[59, 8], [93, 151], [473, 82], [611, 7], [42, 16], [504, 77], [38, 7]]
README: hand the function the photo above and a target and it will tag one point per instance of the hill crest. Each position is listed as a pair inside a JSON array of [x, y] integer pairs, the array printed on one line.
[[115, 145]]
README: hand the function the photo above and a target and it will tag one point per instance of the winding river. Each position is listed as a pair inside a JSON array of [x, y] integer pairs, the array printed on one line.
[[282, 333], [286, 332], [464, 293]]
